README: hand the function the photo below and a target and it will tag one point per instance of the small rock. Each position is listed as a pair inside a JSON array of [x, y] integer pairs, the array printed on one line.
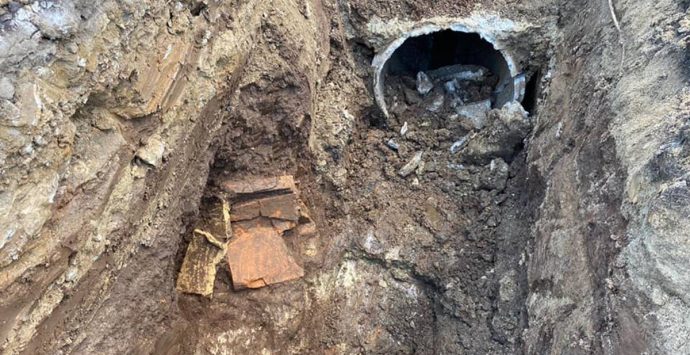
[[392, 144], [6, 89], [399, 274], [513, 110], [507, 287], [437, 103], [494, 176], [453, 166], [403, 130], [40, 141], [71, 274], [411, 96], [424, 84], [411, 165], [28, 150], [307, 229], [152, 153], [420, 168], [450, 87], [458, 144], [559, 130], [72, 47], [505, 131], [55, 20], [14, 6], [476, 112], [10, 115]]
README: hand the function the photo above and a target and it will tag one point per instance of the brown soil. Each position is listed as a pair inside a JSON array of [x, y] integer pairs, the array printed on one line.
[[553, 232]]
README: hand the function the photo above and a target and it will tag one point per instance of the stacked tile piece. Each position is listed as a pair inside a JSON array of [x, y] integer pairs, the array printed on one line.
[[248, 228], [262, 211]]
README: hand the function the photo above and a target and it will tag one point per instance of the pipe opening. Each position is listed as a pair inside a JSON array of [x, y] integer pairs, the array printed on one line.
[[446, 48], [449, 54]]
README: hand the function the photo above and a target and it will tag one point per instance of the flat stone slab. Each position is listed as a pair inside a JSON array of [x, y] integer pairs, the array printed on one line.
[[257, 255], [198, 272], [285, 183], [476, 112], [206, 249]]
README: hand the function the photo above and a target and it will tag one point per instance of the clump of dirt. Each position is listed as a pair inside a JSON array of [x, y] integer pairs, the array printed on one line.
[[435, 229]]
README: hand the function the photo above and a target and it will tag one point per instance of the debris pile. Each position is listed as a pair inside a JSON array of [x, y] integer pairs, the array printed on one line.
[[462, 90], [448, 122], [248, 227]]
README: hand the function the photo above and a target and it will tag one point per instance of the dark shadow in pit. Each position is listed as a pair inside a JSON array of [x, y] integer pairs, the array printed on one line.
[[441, 49], [532, 93]]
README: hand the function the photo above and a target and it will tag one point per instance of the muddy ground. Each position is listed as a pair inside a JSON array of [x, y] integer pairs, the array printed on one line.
[[555, 230]]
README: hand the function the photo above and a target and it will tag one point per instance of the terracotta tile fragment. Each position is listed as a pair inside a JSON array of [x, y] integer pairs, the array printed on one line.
[[280, 207], [282, 225], [258, 256], [198, 272], [284, 183], [246, 210]]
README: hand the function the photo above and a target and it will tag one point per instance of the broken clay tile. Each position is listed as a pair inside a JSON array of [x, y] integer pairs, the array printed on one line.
[[280, 207], [214, 218], [258, 256], [281, 225], [246, 210], [277, 183], [198, 272]]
